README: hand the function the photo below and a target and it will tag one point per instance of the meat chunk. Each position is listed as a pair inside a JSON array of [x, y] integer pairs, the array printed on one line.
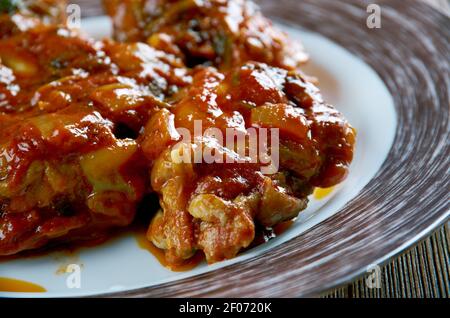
[[47, 68], [217, 32], [88, 127], [70, 110], [63, 175], [18, 16], [216, 206]]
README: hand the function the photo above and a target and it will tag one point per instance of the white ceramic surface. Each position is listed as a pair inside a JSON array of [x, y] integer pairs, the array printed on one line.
[[346, 82]]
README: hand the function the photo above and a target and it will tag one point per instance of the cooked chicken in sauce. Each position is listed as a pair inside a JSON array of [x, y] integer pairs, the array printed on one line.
[[216, 32], [88, 128]]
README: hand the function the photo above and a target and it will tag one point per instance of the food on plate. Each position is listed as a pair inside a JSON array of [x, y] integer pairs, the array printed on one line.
[[216, 32], [16, 16], [215, 206], [88, 128], [69, 110]]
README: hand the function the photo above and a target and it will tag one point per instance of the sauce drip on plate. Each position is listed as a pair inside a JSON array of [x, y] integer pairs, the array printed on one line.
[[19, 286], [261, 237], [187, 265], [322, 193]]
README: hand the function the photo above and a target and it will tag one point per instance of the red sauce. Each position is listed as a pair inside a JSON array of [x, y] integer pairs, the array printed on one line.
[[85, 123], [263, 236], [138, 231]]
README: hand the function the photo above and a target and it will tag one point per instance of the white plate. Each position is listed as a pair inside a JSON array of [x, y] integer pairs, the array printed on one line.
[[346, 82]]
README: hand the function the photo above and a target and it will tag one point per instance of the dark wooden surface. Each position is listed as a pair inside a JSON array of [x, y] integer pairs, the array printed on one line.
[[421, 271]]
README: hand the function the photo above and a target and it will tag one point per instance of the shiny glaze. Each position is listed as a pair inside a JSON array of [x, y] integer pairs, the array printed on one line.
[[68, 105], [262, 236], [222, 33], [88, 127], [198, 201]]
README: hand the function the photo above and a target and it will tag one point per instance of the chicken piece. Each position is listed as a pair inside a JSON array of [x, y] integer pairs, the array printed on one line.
[[48, 11], [48, 67], [215, 206], [82, 122], [225, 227], [63, 176], [19, 15], [221, 33], [70, 110], [52, 62]]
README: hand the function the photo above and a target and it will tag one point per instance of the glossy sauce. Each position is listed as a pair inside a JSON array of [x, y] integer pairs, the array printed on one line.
[[78, 137], [188, 265], [261, 237], [138, 231], [19, 286]]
